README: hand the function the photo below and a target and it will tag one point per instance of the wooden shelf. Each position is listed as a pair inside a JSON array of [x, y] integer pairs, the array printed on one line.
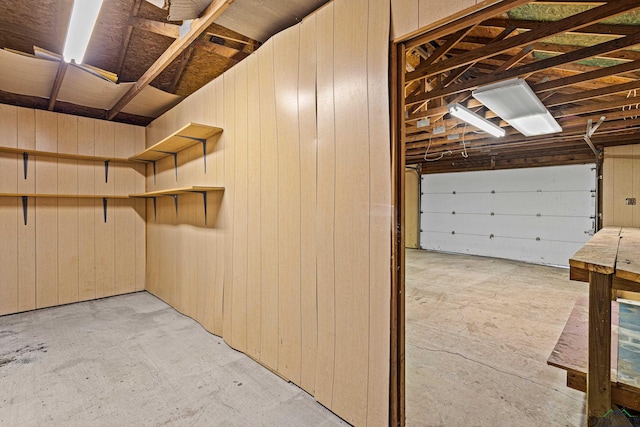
[[62, 155], [175, 191], [189, 135], [64, 196]]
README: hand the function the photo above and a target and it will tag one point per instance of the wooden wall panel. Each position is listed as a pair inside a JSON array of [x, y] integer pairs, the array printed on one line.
[[326, 209], [268, 209], [9, 255], [46, 252], [68, 253], [254, 229], [228, 206], [218, 224], [46, 131], [352, 211], [26, 128], [27, 257], [8, 126], [287, 49], [412, 208], [86, 248], [308, 148], [635, 176], [240, 225], [621, 180]]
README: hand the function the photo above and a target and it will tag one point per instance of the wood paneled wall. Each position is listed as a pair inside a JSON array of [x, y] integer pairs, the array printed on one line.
[[293, 264], [66, 252], [409, 16], [412, 208], [621, 180]]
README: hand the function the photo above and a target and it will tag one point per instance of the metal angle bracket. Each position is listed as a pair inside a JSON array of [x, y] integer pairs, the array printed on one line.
[[106, 171], [104, 208], [175, 162], [175, 201], [25, 205], [203, 141], [25, 163]]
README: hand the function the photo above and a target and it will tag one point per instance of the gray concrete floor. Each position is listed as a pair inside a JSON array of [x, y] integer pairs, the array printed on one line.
[[132, 360], [478, 334]]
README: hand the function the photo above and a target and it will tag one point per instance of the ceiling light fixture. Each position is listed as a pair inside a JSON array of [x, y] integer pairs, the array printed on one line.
[[83, 18], [472, 118], [515, 102]]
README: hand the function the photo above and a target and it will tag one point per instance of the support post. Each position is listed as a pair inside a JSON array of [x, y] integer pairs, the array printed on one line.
[[599, 371]]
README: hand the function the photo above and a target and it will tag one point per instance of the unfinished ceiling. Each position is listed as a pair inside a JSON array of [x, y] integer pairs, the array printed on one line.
[[130, 39], [581, 58]]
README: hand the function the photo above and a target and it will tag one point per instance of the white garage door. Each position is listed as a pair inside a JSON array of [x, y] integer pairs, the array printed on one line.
[[539, 215]]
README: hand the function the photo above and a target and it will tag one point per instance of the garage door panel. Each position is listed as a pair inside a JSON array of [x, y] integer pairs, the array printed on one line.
[[538, 214]]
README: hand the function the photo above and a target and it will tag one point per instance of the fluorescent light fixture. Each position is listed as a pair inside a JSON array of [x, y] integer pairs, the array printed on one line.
[[515, 102], [472, 118], [83, 19]]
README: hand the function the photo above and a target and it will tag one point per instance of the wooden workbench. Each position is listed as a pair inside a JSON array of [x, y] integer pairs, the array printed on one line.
[[609, 261]]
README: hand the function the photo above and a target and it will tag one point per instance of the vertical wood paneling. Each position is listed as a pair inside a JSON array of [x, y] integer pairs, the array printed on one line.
[[8, 255], [86, 207], [308, 141], [254, 292], [46, 252], [46, 131], [623, 185], [26, 128], [380, 215], [431, 11], [406, 17], [104, 249], [326, 209], [9, 172], [228, 204], [125, 244], [287, 49], [269, 202], [352, 211], [8, 126], [104, 147], [635, 163], [218, 223], [240, 225], [27, 257]]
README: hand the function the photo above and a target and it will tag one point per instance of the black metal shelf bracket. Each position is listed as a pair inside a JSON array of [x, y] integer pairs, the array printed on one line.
[[25, 163], [106, 171], [175, 201], [25, 205], [203, 141], [104, 208], [155, 206], [204, 202], [154, 171]]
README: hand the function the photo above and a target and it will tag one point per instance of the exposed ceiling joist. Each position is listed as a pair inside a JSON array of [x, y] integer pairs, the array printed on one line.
[[198, 26], [57, 84], [162, 28], [127, 37]]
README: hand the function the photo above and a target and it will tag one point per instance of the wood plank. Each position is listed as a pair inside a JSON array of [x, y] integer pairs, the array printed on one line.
[[104, 147], [228, 201], [380, 206], [599, 253], [621, 394], [268, 209], [26, 128], [179, 140], [46, 131], [218, 295], [68, 254], [325, 216], [628, 261], [104, 249], [198, 25], [27, 257], [8, 126], [254, 285], [352, 242], [9, 172], [141, 244], [9, 223], [125, 244], [86, 249], [286, 48], [46, 252], [178, 190], [599, 374], [308, 187]]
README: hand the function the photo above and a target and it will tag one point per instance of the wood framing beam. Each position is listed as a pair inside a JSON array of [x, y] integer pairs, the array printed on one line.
[[444, 48], [524, 70], [537, 34], [218, 49], [595, 107], [600, 29], [465, 21], [198, 26], [127, 37], [62, 69], [585, 77], [560, 99], [157, 27], [186, 55]]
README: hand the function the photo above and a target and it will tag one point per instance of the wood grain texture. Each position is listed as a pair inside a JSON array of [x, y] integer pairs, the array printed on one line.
[[86, 248], [46, 125], [308, 208], [105, 249], [286, 47], [599, 374], [228, 202], [218, 315], [26, 128], [125, 243], [628, 260], [8, 126], [254, 284], [268, 209], [46, 252], [27, 258], [9, 208], [352, 243], [325, 215], [623, 186], [68, 255], [240, 224]]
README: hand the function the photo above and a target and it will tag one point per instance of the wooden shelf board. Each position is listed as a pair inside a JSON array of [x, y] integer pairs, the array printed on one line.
[[65, 196], [181, 190], [177, 141], [62, 155]]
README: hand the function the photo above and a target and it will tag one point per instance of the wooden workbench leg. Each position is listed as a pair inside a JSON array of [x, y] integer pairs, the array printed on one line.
[[599, 377]]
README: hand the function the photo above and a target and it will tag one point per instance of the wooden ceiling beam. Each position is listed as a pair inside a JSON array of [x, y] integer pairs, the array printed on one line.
[[218, 49], [198, 26], [444, 48], [533, 67], [127, 37], [163, 28], [595, 106], [598, 29], [539, 33], [585, 77], [57, 84], [561, 99], [463, 22], [186, 55]]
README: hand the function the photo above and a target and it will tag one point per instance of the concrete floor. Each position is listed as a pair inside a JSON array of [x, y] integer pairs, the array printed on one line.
[[132, 360], [478, 334]]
